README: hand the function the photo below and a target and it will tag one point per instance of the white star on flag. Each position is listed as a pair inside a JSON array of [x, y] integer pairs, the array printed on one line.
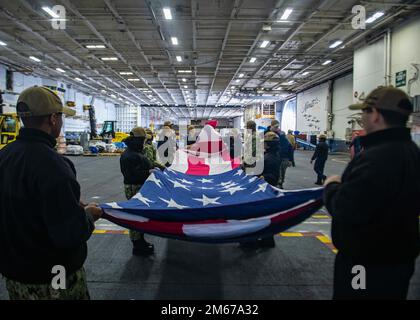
[[231, 185], [143, 199], [205, 188], [185, 181], [153, 178], [114, 205], [172, 204], [225, 183], [203, 180], [179, 185], [205, 200], [253, 179], [261, 187], [233, 190], [238, 173]]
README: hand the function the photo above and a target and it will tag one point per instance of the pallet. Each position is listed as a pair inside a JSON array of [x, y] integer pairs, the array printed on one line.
[[105, 154]]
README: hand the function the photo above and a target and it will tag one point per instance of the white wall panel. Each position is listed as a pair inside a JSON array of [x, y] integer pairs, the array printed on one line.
[[342, 97], [312, 110], [238, 123], [21, 82], [2, 77], [405, 50], [369, 68]]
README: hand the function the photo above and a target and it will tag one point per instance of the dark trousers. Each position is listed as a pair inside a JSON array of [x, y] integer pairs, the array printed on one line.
[[383, 281], [319, 169], [293, 158]]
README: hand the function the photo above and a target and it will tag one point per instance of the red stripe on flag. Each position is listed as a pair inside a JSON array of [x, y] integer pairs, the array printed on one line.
[[197, 166], [294, 212]]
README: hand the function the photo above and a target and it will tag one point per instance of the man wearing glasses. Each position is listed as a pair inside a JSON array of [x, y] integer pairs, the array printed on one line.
[[375, 205], [43, 225]]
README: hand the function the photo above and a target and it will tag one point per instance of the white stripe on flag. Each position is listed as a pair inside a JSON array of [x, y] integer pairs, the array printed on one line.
[[180, 163], [126, 216], [232, 228]]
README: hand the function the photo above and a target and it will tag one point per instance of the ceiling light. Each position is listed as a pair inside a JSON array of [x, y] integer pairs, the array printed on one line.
[[237, 80], [232, 87], [133, 79], [103, 91], [185, 87], [264, 44], [184, 71], [60, 70], [184, 80], [35, 59], [288, 82], [50, 12], [174, 41], [253, 59], [95, 46], [109, 59], [266, 27], [113, 96], [126, 73], [375, 17], [326, 62], [167, 13], [278, 88], [286, 14], [241, 75], [3, 43], [178, 58], [78, 79], [336, 44], [305, 73]]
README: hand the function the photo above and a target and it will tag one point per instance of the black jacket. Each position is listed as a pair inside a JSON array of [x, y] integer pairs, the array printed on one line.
[[272, 162], [321, 152], [375, 209], [41, 221], [134, 165]]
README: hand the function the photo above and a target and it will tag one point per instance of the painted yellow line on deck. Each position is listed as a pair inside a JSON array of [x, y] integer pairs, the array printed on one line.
[[99, 231], [324, 239], [320, 216], [291, 234]]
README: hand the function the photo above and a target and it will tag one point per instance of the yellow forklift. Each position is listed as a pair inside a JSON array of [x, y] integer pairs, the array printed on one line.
[[9, 128]]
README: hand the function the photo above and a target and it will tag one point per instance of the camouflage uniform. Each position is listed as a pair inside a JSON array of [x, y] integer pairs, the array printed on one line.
[[76, 289], [150, 153], [130, 191]]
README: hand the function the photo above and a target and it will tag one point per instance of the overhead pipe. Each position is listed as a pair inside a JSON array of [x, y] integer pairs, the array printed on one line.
[[387, 60], [279, 3], [414, 78]]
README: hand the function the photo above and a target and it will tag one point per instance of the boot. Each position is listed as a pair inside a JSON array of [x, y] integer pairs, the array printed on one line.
[[142, 248], [267, 242], [249, 245]]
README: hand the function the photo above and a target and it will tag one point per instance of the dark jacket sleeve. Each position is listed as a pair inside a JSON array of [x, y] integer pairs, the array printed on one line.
[[141, 169], [290, 151], [353, 201], [135, 167], [316, 153], [66, 221], [271, 169]]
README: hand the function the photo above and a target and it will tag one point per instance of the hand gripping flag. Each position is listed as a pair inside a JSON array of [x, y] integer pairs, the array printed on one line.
[[209, 199]]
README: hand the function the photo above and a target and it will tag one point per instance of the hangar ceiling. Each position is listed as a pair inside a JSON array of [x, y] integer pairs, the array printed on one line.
[[180, 56]]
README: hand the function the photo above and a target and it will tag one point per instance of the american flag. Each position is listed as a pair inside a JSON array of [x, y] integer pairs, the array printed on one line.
[[222, 205]]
